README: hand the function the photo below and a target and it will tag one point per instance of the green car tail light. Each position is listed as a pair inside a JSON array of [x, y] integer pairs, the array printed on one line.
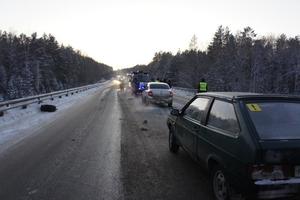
[[275, 165], [272, 172]]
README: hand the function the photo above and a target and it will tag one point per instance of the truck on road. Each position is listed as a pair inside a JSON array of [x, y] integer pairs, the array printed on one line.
[[139, 82]]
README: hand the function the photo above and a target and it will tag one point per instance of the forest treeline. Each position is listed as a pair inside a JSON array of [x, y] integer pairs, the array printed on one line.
[[31, 65], [233, 62]]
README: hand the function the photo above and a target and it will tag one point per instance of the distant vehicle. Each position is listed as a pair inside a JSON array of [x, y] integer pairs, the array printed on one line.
[[139, 81], [250, 143], [157, 92]]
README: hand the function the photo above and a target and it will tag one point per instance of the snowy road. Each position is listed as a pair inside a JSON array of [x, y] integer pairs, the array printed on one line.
[[107, 146], [18, 123]]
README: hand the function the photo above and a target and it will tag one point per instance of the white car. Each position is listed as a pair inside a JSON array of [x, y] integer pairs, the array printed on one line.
[[157, 92]]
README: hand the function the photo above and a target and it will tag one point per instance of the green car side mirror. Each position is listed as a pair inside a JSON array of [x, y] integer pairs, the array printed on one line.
[[175, 112]]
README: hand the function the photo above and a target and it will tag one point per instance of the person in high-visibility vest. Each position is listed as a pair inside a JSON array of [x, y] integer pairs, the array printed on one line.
[[203, 86]]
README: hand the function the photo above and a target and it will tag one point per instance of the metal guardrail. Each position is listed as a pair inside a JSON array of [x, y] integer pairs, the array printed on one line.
[[11, 104]]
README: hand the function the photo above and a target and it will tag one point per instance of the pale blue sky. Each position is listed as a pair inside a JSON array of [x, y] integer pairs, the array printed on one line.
[[123, 33]]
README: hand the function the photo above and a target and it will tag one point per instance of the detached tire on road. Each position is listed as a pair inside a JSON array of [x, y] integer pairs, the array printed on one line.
[[173, 146], [48, 108]]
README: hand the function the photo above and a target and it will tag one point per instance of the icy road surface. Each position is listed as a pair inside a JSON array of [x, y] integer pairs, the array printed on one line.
[[105, 146]]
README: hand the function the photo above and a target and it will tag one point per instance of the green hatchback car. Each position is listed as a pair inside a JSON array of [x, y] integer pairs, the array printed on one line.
[[249, 143]]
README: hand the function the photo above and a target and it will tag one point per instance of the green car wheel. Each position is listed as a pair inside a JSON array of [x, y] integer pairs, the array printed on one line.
[[220, 185]]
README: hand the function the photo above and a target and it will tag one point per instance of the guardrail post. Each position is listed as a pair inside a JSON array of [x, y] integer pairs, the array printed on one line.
[[1, 113], [67, 94], [39, 100], [52, 98]]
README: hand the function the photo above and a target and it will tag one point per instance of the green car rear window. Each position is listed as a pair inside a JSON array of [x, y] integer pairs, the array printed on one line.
[[276, 120]]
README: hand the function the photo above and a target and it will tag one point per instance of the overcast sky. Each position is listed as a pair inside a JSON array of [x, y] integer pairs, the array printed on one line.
[[123, 33]]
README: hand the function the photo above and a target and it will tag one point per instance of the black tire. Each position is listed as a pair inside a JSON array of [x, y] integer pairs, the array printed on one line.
[[173, 146], [170, 104], [231, 192], [48, 108], [220, 185]]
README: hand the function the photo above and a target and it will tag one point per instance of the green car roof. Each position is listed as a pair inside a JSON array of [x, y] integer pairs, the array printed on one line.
[[248, 95]]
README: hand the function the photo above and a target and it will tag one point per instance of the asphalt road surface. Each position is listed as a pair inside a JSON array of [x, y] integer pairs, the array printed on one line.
[[108, 147]]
